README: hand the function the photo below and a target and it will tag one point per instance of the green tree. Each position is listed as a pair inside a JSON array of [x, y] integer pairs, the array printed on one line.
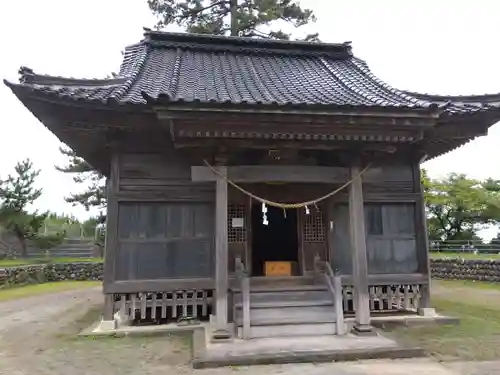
[[55, 223], [458, 206], [94, 195], [245, 18], [17, 192]]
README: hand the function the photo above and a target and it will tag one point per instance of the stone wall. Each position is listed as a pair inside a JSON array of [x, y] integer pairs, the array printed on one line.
[[42, 273], [465, 269]]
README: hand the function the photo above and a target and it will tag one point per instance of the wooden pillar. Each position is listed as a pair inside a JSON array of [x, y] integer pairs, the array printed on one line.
[[221, 257], [422, 238], [359, 256], [111, 239]]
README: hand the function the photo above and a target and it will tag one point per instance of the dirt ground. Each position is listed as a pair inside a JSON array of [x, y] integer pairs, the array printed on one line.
[[38, 336]]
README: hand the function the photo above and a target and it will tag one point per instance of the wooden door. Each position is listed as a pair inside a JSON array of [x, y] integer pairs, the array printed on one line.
[[313, 237]]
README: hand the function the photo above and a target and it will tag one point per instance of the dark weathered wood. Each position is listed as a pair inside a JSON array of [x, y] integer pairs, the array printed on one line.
[[390, 279], [391, 244], [268, 173], [159, 285], [290, 114], [391, 175], [160, 240], [422, 235], [359, 253], [221, 255], [108, 307], [111, 241]]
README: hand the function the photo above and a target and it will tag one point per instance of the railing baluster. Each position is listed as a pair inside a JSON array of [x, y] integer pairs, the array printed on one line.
[[339, 308]]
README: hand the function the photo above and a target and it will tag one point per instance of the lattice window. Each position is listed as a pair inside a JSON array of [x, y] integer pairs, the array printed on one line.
[[314, 226], [236, 231]]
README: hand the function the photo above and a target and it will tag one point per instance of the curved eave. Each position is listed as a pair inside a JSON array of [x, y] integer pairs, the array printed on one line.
[[164, 101], [483, 98], [478, 122], [23, 90], [29, 91]]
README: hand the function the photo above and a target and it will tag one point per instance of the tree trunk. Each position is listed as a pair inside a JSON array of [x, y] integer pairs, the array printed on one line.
[[234, 17]]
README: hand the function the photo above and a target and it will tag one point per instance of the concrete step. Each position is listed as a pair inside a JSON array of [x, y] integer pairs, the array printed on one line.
[[288, 315], [290, 330]]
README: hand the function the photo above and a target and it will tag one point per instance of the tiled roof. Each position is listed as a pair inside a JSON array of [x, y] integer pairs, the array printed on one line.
[[189, 68]]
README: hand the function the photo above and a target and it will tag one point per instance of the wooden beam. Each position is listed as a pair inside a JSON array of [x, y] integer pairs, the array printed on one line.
[[276, 173], [390, 279], [422, 237], [111, 240], [359, 253], [259, 144], [221, 257], [405, 113], [158, 285]]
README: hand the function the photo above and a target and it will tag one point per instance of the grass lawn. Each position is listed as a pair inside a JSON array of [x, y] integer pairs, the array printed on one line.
[[477, 337], [435, 255], [37, 289], [31, 261]]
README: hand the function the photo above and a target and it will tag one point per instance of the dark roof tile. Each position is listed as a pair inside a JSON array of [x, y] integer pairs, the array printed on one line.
[[215, 70]]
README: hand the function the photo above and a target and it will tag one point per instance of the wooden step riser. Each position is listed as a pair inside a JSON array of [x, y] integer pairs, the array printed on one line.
[[287, 297], [289, 315], [272, 288], [289, 330], [282, 289], [281, 304]]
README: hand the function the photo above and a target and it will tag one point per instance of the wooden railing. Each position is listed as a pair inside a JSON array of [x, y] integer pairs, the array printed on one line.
[[333, 281], [173, 306], [242, 276], [388, 293]]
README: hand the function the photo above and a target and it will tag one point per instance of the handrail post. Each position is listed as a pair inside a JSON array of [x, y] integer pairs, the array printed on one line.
[[339, 308], [245, 296]]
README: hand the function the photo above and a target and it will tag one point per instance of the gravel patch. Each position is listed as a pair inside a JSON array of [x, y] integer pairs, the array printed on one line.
[[38, 336]]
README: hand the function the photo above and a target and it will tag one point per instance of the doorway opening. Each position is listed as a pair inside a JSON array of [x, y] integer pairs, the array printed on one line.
[[276, 241]]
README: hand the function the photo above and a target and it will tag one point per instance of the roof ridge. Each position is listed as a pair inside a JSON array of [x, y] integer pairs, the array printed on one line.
[[256, 45]]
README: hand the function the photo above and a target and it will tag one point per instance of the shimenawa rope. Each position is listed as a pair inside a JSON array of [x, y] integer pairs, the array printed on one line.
[[287, 205]]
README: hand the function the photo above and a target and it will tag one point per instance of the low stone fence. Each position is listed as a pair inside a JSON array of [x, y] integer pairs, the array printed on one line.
[[42, 273], [465, 269], [446, 268]]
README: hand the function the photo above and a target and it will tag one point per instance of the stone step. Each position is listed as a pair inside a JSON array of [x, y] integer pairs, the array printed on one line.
[[289, 330], [288, 315]]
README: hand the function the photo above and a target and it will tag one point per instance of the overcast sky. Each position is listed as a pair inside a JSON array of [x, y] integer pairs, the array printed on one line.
[[445, 47]]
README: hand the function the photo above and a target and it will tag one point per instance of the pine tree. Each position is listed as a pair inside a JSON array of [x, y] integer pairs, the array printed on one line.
[[17, 192], [245, 18], [94, 195]]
